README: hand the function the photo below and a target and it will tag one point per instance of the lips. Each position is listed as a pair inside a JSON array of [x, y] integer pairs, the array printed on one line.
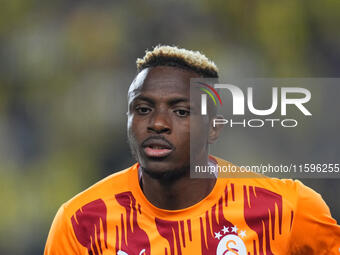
[[157, 147]]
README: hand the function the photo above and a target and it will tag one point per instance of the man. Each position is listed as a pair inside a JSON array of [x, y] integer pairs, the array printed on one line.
[[154, 207]]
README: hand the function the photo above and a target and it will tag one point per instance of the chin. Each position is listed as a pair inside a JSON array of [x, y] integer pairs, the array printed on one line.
[[165, 171]]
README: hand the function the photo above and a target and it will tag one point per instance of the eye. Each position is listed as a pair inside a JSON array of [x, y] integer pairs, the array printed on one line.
[[142, 110], [182, 112]]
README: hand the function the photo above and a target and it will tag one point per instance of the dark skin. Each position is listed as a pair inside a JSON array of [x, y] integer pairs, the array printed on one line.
[[159, 117]]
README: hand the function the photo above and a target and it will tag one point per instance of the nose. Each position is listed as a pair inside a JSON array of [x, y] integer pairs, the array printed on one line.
[[160, 123]]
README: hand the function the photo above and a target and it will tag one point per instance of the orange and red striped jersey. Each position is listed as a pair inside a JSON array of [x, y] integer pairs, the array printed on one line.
[[244, 216]]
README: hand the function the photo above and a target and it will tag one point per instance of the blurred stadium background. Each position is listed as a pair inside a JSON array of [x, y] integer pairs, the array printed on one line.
[[65, 67]]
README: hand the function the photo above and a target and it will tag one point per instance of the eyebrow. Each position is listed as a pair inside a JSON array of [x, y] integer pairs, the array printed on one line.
[[177, 101], [171, 102], [143, 98]]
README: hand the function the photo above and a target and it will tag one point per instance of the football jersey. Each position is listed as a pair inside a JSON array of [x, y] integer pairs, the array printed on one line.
[[244, 216]]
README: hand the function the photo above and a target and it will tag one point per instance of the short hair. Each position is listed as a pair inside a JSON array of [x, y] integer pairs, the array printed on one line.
[[164, 55]]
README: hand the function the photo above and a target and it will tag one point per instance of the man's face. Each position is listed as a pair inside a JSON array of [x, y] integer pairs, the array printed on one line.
[[159, 119]]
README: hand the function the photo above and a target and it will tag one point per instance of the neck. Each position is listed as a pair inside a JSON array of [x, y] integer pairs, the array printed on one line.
[[177, 194]]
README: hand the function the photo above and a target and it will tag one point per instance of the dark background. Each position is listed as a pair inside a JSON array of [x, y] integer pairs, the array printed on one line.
[[65, 67]]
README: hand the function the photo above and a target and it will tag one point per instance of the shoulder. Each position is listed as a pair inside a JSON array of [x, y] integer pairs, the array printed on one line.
[[292, 191], [100, 191], [300, 195], [311, 201], [240, 176]]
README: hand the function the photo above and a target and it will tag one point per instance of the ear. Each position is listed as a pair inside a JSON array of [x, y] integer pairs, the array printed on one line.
[[214, 131]]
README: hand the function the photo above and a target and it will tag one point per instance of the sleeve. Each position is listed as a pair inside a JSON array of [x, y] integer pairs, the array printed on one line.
[[61, 239], [314, 231]]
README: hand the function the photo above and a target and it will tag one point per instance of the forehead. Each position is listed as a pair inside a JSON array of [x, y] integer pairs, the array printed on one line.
[[162, 80]]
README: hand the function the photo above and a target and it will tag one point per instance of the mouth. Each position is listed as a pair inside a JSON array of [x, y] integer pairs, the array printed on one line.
[[157, 148]]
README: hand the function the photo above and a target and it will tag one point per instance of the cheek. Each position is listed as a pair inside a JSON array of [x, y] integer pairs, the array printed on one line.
[[129, 126], [183, 138], [198, 135], [199, 128], [132, 129], [181, 129]]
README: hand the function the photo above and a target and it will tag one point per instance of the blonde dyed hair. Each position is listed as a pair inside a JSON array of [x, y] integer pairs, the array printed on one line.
[[164, 55]]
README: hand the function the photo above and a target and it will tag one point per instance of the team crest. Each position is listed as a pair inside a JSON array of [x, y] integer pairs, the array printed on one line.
[[230, 241]]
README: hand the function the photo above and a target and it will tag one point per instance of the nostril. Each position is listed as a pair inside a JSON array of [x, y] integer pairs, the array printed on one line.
[[159, 130], [159, 124]]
